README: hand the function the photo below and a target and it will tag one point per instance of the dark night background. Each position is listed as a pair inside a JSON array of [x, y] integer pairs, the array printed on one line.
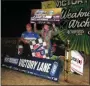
[[15, 15]]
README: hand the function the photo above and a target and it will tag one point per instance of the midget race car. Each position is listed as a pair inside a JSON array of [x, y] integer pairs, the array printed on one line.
[[39, 64], [9, 46]]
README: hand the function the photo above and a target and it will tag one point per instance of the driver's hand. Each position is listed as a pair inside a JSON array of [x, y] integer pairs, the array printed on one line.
[[35, 24], [53, 25]]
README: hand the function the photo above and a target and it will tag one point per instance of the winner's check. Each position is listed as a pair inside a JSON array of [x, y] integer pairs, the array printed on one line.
[[46, 15]]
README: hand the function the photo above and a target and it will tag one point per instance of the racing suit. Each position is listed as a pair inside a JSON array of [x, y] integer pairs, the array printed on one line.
[[28, 36]]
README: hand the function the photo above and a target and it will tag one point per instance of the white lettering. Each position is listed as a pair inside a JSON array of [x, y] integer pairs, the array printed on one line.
[[44, 67], [62, 3], [79, 1], [68, 14], [11, 60], [74, 2], [27, 63], [76, 23]]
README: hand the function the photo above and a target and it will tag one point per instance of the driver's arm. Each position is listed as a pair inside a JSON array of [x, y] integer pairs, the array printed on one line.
[[54, 30], [22, 39], [35, 29]]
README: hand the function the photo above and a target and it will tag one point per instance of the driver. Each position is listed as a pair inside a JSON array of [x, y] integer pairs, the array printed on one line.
[[47, 33], [25, 36]]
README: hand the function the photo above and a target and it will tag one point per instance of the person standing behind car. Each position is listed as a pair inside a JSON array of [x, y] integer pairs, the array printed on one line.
[[47, 33], [25, 36]]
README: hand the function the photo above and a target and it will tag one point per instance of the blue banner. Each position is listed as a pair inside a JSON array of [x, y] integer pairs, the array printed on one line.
[[46, 68]]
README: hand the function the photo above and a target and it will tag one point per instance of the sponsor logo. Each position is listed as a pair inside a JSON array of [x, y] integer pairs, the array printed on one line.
[[77, 60], [51, 12], [54, 68], [40, 14], [11, 60]]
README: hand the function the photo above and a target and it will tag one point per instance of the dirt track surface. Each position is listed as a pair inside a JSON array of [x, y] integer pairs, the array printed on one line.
[[11, 77]]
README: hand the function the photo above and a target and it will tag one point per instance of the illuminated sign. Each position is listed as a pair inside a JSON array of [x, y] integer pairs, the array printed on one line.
[[46, 68]]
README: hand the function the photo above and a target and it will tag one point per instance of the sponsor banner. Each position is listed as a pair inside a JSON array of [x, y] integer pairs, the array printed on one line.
[[46, 15], [75, 23], [77, 62], [46, 68]]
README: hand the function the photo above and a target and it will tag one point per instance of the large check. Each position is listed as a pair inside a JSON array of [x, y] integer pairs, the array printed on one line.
[[46, 15]]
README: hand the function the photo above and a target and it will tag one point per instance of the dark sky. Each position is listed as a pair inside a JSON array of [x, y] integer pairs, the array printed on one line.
[[15, 15]]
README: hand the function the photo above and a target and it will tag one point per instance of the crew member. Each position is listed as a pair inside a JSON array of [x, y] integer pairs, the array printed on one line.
[[27, 36]]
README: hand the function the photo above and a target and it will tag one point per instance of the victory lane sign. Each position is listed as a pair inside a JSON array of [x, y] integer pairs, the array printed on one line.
[[46, 68]]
